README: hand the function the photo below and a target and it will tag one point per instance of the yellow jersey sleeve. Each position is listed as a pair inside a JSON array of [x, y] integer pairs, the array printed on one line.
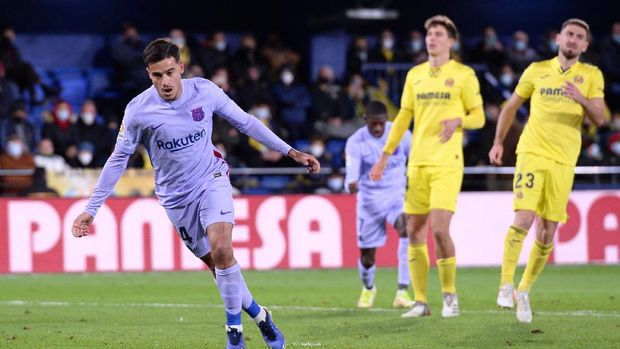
[[525, 87], [597, 87], [399, 126], [471, 92], [403, 118], [407, 100]]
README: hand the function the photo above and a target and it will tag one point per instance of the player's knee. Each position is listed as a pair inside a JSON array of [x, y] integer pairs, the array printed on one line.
[[401, 226], [440, 234], [524, 219], [367, 261], [222, 254]]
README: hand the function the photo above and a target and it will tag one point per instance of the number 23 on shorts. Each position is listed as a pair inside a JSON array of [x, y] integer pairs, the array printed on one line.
[[526, 180]]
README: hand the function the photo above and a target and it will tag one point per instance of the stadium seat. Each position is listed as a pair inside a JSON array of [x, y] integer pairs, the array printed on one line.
[[73, 82], [336, 148], [99, 82]]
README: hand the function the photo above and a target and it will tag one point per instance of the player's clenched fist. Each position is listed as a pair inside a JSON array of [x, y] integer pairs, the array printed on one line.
[[495, 155], [81, 224]]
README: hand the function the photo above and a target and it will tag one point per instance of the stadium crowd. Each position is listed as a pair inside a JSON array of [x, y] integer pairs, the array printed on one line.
[[314, 114]]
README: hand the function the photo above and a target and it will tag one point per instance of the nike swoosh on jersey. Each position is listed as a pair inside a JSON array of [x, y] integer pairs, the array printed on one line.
[[544, 76], [224, 212], [153, 128]]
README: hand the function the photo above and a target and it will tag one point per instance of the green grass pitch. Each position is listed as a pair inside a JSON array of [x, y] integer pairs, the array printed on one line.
[[574, 307]]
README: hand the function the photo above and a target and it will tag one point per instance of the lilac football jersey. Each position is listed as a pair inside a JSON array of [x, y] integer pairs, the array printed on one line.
[[362, 151], [177, 137]]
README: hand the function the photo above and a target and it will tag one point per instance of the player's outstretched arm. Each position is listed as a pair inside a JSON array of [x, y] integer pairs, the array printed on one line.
[[111, 173], [311, 163], [506, 117]]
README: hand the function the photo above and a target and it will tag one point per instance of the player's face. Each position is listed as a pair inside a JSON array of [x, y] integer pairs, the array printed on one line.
[[572, 41], [438, 42], [166, 77], [376, 124]]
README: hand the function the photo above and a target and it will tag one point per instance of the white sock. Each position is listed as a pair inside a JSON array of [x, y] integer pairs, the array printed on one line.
[[366, 275], [403, 262], [261, 316], [229, 285]]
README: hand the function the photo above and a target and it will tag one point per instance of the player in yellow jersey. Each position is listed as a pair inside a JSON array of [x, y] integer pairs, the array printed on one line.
[[442, 96], [561, 90]]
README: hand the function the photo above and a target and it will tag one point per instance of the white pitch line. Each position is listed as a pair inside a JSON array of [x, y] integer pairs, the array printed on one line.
[[579, 313]]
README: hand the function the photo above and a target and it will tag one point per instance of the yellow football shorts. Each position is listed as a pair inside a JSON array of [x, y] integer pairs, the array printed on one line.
[[432, 187], [542, 185]]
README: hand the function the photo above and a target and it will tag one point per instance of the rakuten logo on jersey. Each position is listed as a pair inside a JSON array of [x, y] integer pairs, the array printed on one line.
[[176, 144]]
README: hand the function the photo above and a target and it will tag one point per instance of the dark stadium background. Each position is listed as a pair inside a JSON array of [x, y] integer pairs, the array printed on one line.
[[296, 20]]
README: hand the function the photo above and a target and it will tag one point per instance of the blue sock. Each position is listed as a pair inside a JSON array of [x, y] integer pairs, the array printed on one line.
[[253, 309], [233, 319]]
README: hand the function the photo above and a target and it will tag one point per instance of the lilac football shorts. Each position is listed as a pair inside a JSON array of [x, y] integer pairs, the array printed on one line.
[[214, 205], [371, 226]]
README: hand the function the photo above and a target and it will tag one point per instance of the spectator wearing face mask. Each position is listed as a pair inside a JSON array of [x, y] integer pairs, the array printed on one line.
[[415, 48], [329, 106], [277, 55], [292, 99], [548, 48], [18, 124], [315, 183], [46, 159], [83, 157], [333, 184], [253, 88], [610, 64], [245, 57], [318, 148], [15, 157], [91, 130], [386, 51], [177, 36], [258, 155], [520, 54], [60, 128], [214, 53], [507, 78], [489, 50], [357, 55]]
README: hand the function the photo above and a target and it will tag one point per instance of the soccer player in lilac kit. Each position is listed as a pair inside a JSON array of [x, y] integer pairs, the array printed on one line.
[[378, 202], [173, 119]]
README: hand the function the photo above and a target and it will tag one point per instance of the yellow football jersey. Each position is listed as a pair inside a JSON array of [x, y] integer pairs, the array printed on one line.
[[432, 95], [553, 129]]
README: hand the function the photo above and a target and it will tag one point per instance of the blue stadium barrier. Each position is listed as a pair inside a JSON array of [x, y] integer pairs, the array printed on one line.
[[301, 144], [275, 183]]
